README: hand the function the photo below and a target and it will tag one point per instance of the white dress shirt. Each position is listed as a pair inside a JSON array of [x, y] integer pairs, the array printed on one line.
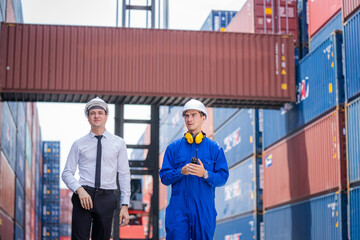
[[113, 160]]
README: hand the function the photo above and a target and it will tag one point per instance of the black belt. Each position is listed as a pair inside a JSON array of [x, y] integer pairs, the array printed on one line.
[[98, 189]]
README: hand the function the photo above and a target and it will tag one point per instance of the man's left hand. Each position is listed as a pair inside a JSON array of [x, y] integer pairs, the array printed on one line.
[[195, 169], [124, 216]]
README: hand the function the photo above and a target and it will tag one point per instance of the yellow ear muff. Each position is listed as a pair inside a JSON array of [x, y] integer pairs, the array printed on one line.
[[189, 138], [198, 138]]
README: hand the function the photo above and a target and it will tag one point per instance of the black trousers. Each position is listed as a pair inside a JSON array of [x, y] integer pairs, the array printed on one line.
[[101, 215]]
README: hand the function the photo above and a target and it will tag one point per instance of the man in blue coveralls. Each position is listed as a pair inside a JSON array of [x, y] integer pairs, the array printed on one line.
[[191, 213]]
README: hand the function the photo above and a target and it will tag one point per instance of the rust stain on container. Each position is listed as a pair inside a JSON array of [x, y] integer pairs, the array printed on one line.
[[68, 63], [310, 162]]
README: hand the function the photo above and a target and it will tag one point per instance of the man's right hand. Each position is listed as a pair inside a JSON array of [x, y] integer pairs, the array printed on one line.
[[85, 198]]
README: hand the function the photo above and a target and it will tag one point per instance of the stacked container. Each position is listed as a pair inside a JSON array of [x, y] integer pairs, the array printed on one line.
[[239, 202], [65, 214], [218, 20], [51, 191]]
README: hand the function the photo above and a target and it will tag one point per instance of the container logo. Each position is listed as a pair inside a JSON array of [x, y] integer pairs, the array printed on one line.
[[232, 140], [302, 90], [268, 160], [236, 236], [232, 190]]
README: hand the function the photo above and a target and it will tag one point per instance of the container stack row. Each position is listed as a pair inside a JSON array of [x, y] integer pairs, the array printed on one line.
[[51, 190], [65, 214], [20, 171]]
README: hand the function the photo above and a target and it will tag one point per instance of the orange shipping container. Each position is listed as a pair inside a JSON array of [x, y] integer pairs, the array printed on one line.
[[7, 186]]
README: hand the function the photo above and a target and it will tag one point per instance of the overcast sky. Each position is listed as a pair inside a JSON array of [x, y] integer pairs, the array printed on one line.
[[66, 122]]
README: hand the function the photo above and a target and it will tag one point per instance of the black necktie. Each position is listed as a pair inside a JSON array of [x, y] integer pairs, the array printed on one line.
[[98, 162]]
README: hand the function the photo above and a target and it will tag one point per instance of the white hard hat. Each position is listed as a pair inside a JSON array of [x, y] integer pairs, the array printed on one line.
[[194, 104], [96, 102]]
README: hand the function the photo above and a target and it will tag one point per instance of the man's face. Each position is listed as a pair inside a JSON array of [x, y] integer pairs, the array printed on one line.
[[194, 121], [97, 118]]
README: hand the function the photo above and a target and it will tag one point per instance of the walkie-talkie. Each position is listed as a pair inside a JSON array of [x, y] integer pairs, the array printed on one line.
[[195, 160]]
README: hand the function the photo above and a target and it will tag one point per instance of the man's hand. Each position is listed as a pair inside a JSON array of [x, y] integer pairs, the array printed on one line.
[[194, 169], [85, 198], [124, 216]]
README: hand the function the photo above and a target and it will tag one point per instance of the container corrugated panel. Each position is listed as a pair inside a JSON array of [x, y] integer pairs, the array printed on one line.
[[28, 147], [320, 12], [320, 88], [322, 217], [65, 230], [349, 7], [21, 123], [65, 206], [37, 233], [308, 162], [354, 213], [7, 187], [6, 226], [28, 180], [20, 161], [303, 28], [218, 20], [171, 125], [27, 227], [51, 151], [51, 213], [51, 192], [8, 135], [243, 227], [19, 232], [162, 233], [51, 171], [50, 231], [29, 115], [324, 33], [352, 56], [241, 193], [238, 137], [13, 109], [353, 140], [222, 115], [19, 204], [104, 60], [18, 11]]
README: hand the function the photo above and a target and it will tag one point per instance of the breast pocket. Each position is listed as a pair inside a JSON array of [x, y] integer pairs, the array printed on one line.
[[179, 162], [209, 165]]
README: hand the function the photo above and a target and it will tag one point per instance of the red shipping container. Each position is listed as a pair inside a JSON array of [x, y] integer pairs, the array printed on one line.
[[65, 238], [32, 220], [266, 16], [349, 7], [309, 162], [66, 206], [320, 12], [27, 218], [6, 226], [28, 180], [7, 186], [156, 65]]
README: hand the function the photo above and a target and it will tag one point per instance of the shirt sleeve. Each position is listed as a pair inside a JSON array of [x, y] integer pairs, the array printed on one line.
[[124, 174], [220, 175], [70, 168], [168, 174]]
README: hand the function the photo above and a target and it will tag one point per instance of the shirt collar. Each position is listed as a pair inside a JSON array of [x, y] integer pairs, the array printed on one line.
[[105, 134]]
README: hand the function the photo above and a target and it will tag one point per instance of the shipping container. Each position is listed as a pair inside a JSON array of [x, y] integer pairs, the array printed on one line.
[[354, 213], [27, 227], [7, 187], [50, 231], [51, 151], [222, 115], [319, 89], [353, 140], [319, 218], [29, 115], [19, 204], [352, 56], [320, 12], [51, 171], [162, 231], [240, 137], [51, 213], [8, 135], [349, 7], [244, 227], [303, 28], [65, 238], [28, 180], [242, 192], [6, 226], [28, 147], [19, 232], [218, 20], [221, 80], [21, 123], [37, 233], [20, 162], [51, 192], [14, 110], [325, 32], [308, 162], [65, 230]]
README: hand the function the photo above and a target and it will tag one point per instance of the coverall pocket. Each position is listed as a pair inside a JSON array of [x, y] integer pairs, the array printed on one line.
[[209, 165], [179, 162]]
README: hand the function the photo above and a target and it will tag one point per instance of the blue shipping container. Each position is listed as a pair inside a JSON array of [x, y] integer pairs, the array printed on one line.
[[303, 28], [20, 162], [51, 151], [51, 192], [50, 231], [28, 147], [239, 137], [19, 203], [13, 106], [354, 212], [320, 88], [65, 229], [19, 232], [242, 192], [353, 140], [8, 136], [221, 115], [51, 171], [162, 232], [171, 126], [352, 55], [334, 24], [244, 227], [21, 123], [51, 213], [218, 20], [320, 218]]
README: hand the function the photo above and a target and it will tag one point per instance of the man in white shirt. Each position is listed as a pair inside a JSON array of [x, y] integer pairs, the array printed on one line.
[[100, 156]]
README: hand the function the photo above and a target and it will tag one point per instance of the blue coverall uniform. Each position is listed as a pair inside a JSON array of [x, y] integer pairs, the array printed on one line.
[[191, 212]]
